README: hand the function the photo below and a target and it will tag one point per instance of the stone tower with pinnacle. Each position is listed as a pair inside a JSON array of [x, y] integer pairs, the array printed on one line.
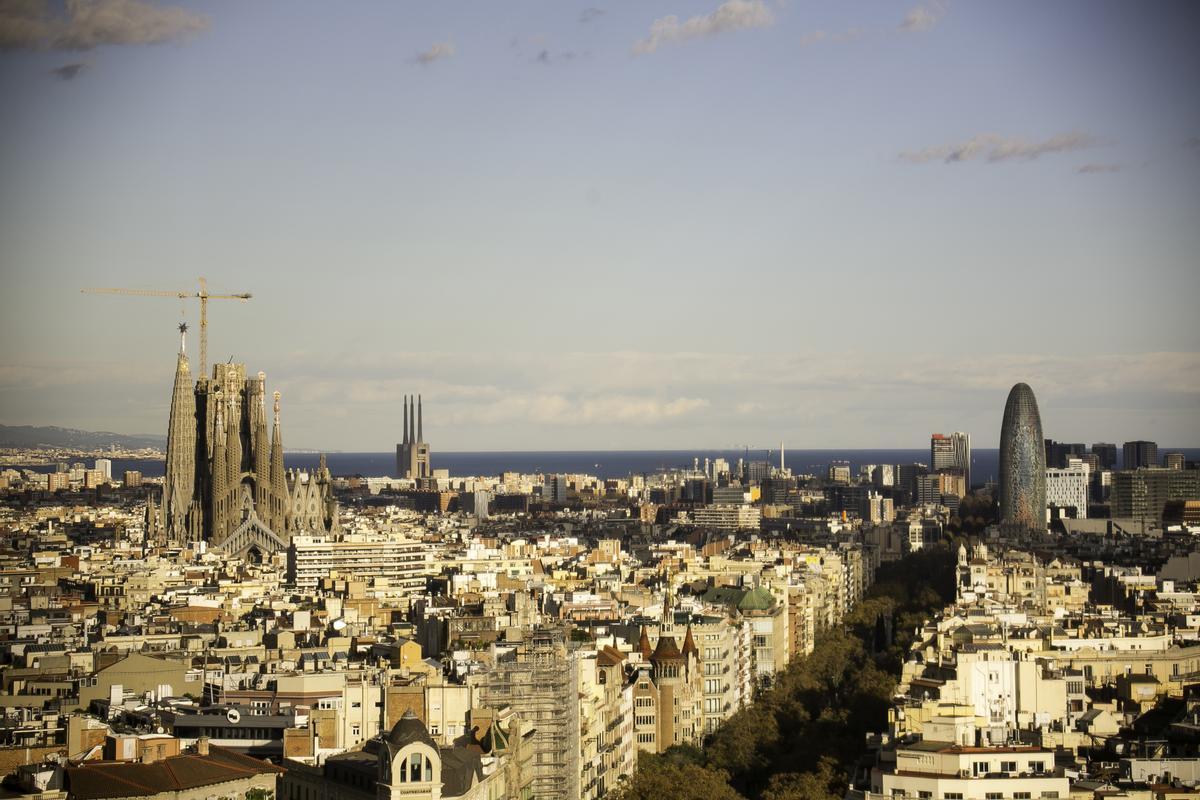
[[225, 482]]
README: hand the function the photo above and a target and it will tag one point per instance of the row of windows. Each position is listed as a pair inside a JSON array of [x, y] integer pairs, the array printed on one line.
[[988, 795]]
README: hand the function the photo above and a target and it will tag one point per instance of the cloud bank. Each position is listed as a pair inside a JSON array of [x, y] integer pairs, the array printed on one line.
[[923, 17], [69, 72], [438, 50], [732, 15], [648, 400], [86, 24], [995, 149]]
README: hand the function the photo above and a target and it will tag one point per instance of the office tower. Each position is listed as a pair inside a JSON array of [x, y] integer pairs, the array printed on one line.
[[884, 475], [720, 467], [104, 467], [756, 471], [1067, 487], [1140, 454], [554, 489], [839, 472], [1092, 462], [413, 454], [1174, 460], [1106, 452], [951, 454], [225, 483], [133, 479], [1143, 493], [1022, 461], [1057, 453]]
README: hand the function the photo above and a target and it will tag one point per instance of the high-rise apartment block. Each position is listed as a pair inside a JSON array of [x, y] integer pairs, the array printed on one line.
[[1067, 488], [951, 454]]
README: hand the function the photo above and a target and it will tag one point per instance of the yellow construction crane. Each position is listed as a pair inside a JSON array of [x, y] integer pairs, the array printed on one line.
[[202, 295]]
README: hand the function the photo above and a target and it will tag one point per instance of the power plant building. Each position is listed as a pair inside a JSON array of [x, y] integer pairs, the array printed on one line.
[[412, 454]]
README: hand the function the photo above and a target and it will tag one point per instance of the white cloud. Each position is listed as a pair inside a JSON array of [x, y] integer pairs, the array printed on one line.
[[731, 15], [993, 149], [923, 17], [436, 51], [638, 399], [86, 24]]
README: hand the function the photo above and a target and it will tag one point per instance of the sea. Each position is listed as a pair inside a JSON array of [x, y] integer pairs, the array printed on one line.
[[985, 463]]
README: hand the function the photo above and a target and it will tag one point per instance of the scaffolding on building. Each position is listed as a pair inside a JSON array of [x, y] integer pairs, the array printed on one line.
[[538, 680]]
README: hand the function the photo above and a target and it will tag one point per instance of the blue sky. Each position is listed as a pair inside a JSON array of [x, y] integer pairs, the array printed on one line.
[[626, 225]]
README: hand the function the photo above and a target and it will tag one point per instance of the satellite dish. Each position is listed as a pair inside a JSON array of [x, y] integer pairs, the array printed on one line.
[[233, 715], [159, 729], [339, 624]]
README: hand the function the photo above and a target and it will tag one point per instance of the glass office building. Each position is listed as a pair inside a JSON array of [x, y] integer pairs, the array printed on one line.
[[1022, 461]]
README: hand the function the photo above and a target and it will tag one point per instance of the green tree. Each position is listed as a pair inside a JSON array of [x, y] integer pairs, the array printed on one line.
[[824, 783], [665, 779]]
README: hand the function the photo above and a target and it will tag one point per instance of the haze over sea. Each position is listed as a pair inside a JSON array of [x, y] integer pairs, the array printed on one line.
[[609, 463]]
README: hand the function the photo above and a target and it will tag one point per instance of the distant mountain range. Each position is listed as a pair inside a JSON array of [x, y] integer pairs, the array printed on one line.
[[53, 436]]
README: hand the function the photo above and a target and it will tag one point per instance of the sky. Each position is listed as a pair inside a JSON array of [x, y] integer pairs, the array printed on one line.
[[640, 225]]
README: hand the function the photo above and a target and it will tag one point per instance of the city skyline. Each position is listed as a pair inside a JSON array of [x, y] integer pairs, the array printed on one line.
[[669, 226]]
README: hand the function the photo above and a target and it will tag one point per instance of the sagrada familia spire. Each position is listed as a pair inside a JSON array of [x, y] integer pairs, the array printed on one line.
[[225, 482]]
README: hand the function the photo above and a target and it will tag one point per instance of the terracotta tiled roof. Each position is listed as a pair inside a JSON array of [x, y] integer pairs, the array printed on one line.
[[103, 779]]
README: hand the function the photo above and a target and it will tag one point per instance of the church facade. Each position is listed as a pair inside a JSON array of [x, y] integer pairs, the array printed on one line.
[[225, 483]]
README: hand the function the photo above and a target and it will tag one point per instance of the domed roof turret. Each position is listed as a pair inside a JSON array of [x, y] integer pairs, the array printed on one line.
[[757, 599], [409, 729]]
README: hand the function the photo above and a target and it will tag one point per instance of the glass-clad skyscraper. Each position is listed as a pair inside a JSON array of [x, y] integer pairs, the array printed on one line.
[[1022, 461]]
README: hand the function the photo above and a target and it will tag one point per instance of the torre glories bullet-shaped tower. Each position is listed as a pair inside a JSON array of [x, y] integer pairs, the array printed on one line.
[[1022, 462]]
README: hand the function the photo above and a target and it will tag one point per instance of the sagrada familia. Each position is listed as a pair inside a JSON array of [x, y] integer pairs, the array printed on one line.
[[225, 482]]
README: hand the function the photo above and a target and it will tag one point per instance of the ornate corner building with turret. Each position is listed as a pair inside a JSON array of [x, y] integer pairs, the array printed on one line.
[[225, 482]]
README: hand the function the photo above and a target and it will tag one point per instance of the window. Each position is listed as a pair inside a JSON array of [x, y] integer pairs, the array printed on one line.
[[1008, 766], [979, 768], [954, 796], [1022, 795], [1037, 766], [923, 794], [1049, 793], [994, 796]]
